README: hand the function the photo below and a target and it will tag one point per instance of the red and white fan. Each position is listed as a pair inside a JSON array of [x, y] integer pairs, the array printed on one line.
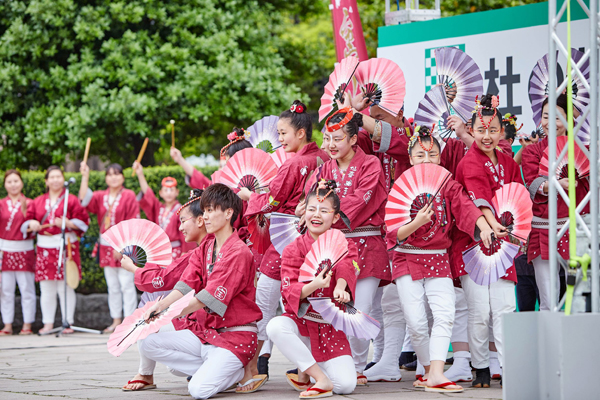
[[382, 81], [324, 253], [280, 156], [135, 327], [249, 168], [513, 207], [339, 80], [258, 227], [215, 176], [582, 164], [415, 188], [346, 318], [141, 240]]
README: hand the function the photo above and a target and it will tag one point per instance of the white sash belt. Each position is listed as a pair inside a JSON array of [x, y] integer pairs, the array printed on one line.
[[314, 317], [53, 242], [16, 245], [408, 249], [543, 223], [240, 328], [362, 231]]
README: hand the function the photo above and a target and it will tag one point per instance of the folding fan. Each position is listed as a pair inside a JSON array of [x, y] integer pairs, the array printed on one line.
[[258, 227], [215, 176], [263, 134], [280, 156], [513, 207], [433, 111], [141, 240], [346, 318], [135, 327], [460, 77], [249, 168], [324, 254], [486, 266], [382, 81], [582, 164], [284, 229], [412, 191], [339, 80]]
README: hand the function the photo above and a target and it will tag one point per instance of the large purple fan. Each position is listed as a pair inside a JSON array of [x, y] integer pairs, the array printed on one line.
[[433, 111], [263, 134], [461, 79], [284, 229], [346, 318], [538, 90], [486, 266]]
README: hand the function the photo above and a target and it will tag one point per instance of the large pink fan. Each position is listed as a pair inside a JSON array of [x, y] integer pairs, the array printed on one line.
[[382, 81], [346, 318], [263, 134], [215, 176], [582, 164], [284, 229], [258, 227], [324, 254], [141, 240], [135, 327], [486, 266], [339, 80], [513, 207], [249, 168], [412, 191], [280, 156]]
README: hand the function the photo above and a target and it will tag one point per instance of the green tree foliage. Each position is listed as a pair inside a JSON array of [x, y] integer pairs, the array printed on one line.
[[118, 71]]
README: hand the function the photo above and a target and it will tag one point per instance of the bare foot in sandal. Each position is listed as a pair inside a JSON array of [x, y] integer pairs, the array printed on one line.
[[149, 379]]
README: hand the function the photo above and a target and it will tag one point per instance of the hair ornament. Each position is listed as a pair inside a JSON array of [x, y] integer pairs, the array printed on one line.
[[233, 138], [297, 108], [323, 184], [342, 123], [416, 137], [190, 201], [479, 107], [511, 119]]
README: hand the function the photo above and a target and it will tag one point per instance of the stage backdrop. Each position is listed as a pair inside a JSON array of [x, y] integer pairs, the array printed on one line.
[[505, 43]]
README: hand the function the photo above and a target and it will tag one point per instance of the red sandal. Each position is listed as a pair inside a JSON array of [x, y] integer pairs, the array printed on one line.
[[321, 393], [442, 388], [147, 386]]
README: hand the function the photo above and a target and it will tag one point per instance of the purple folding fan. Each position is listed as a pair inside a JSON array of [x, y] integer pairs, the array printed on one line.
[[263, 134], [486, 266], [346, 318], [284, 229]]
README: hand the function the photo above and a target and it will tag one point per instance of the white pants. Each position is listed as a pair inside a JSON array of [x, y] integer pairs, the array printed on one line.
[[49, 290], [439, 294], [542, 280], [147, 365], [498, 299], [122, 295], [461, 317], [377, 313], [213, 369], [365, 292], [26, 282], [268, 293], [284, 334]]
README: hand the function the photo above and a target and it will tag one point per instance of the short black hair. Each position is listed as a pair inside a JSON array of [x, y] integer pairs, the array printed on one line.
[[487, 110], [53, 168], [195, 207], [352, 127], [299, 120], [333, 197], [115, 168], [221, 196]]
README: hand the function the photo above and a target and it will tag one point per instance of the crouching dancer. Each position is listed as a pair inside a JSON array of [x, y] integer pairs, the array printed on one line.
[[218, 336]]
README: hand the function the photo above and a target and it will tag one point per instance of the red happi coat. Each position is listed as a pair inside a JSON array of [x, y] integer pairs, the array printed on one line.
[[538, 239], [227, 290], [283, 196], [167, 220], [47, 258], [453, 208], [479, 176], [125, 207], [326, 342], [363, 197], [11, 219], [197, 180]]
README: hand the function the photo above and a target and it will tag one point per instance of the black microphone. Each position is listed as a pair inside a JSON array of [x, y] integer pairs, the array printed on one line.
[[70, 181]]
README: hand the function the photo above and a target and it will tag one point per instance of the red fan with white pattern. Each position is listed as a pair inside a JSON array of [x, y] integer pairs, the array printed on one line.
[[382, 81], [414, 190], [513, 207], [280, 156], [249, 168], [346, 318], [135, 327], [141, 240], [258, 227], [582, 164], [324, 253], [339, 80]]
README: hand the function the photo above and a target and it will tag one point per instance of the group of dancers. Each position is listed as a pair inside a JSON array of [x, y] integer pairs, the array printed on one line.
[[411, 277]]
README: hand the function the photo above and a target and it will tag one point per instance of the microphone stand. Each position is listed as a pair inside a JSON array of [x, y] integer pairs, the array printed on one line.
[[61, 255]]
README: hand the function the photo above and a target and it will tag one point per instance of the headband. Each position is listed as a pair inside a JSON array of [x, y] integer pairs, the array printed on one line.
[[190, 201], [339, 125], [169, 182], [234, 138]]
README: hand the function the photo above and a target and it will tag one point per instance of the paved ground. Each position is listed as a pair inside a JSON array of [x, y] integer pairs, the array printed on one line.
[[79, 367]]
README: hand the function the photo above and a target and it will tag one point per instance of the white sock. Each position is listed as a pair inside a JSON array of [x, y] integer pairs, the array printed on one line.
[[495, 368], [460, 369]]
